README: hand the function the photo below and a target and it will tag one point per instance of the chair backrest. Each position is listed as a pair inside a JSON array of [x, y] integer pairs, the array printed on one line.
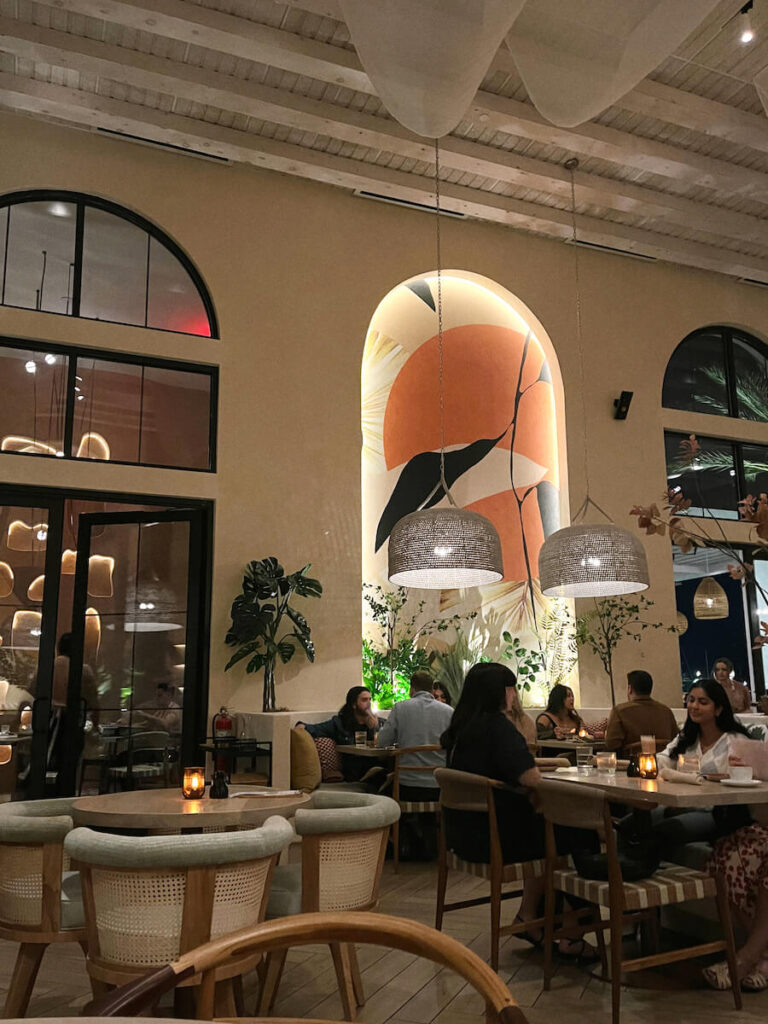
[[8, 768], [147, 899], [400, 767], [344, 840], [32, 834], [303, 929], [574, 805], [463, 791]]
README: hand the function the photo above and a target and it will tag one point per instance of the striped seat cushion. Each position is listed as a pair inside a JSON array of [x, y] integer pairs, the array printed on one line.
[[141, 771], [419, 806], [672, 883], [509, 872]]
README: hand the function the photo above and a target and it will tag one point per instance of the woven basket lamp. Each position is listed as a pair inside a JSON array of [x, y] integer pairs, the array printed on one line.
[[443, 548], [590, 560], [681, 624], [710, 600]]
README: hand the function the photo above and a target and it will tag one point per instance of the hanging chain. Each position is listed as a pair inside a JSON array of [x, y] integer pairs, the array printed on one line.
[[570, 166], [440, 324]]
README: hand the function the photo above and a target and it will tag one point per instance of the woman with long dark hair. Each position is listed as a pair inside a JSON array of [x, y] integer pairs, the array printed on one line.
[[708, 730], [483, 741], [560, 718]]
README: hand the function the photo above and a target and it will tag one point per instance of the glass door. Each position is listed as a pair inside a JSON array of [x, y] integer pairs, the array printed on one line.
[[136, 704], [30, 543]]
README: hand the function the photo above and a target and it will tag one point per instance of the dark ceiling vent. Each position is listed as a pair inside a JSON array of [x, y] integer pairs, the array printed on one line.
[[163, 145], [610, 248], [408, 203]]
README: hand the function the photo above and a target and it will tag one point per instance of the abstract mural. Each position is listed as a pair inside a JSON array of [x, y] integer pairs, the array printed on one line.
[[502, 398]]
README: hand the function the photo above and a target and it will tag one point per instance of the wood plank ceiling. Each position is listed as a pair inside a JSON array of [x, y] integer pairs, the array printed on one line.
[[677, 170]]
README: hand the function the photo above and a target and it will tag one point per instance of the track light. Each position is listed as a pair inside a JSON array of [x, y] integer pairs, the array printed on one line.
[[746, 32]]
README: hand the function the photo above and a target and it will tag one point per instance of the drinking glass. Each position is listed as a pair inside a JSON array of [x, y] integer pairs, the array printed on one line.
[[647, 744], [584, 761], [360, 739], [606, 762], [689, 763]]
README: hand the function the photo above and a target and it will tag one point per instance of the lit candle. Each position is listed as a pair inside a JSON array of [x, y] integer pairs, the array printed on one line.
[[647, 766], [25, 720], [193, 784], [583, 734]]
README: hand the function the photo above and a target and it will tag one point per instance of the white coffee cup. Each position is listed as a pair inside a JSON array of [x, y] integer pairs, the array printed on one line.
[[741, 772]]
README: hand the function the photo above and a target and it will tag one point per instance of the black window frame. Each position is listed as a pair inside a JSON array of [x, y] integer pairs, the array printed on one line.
[[81, 201], [728, 335], [738, 464], [75, 352]]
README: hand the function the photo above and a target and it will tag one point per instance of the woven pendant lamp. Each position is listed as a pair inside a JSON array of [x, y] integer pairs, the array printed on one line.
[[584, 559], [443, 548], [710, 601], [681, 624]]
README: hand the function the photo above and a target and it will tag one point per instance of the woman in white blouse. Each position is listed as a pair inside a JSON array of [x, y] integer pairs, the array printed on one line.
[[708, 732]]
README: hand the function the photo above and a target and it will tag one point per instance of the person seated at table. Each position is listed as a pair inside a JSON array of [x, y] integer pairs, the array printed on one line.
[[440, 693], [640, 716], [559, 719], [417, 722], [482, 740], [162, 713], [738, 693], [513, 709], [354, 715]]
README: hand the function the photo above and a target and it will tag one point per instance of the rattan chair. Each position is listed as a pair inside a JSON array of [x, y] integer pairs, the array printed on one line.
[[149, 899], [344, 840], [462, 791], [334, 929], [563, 803], [40, 902], [411, 806]]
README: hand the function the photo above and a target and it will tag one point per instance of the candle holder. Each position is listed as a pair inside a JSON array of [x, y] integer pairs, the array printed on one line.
[[25, 719], [583, 734], [647, 767], [193, 783]]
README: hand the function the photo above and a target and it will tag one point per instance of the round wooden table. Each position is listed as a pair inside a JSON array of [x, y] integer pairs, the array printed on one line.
[[154, 809]]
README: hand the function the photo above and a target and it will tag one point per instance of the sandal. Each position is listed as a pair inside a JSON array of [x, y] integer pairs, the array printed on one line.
[[527, 936], [586, 954], [717, 976], [755, 981]]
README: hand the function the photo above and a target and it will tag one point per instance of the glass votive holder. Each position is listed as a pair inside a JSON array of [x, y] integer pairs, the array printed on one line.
[[193, 783], [647, 767], [606, 762], [25, 719]]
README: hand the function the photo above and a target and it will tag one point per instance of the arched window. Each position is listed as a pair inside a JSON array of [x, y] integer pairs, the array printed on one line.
[[719, 370], [77, 255]]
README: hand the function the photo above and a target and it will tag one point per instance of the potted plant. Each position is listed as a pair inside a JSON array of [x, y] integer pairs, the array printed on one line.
[[258, 614]]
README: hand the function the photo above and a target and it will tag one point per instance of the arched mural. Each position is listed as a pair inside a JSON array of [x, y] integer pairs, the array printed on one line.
[[505, 452]]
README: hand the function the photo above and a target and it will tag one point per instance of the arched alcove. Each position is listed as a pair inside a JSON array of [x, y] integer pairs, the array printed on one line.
[[504, 424]]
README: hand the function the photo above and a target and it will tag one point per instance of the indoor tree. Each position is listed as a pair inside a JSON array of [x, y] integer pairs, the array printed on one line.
[[258, 614]]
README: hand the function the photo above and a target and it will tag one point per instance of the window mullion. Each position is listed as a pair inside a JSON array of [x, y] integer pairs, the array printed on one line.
[[77, 277]]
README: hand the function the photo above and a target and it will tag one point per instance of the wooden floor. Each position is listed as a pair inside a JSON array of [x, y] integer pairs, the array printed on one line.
[[403, 989]]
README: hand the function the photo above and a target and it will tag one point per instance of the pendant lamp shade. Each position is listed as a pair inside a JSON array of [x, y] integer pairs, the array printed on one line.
[[444, 549], [710, 601], [591, 560], [6, 580], [681, 624]]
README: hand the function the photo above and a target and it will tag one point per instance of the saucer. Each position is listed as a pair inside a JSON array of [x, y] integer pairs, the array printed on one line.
[[739, 782]]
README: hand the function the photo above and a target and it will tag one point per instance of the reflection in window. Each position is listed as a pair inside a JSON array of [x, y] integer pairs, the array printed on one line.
[[121, 410], [39, 256], [120, 268], [114, 270], [33, 401], [707, 478], [751, 372], [721, 371], [755, 458]]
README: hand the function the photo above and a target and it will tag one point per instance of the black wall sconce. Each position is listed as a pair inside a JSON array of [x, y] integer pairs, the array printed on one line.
[[621, 405]]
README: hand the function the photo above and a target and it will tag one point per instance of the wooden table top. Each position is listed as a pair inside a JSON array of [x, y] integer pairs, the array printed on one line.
[[167, 808], [653, 792], [375, 752]]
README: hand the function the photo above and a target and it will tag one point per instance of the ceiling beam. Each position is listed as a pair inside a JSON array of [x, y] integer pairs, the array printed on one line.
[[237, 36], [146, 71], [78, 107]]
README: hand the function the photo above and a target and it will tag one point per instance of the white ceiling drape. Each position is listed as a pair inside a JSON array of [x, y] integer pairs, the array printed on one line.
[[427, 58]]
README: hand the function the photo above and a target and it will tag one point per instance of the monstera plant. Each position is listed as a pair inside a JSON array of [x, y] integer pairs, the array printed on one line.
[[259, 613]]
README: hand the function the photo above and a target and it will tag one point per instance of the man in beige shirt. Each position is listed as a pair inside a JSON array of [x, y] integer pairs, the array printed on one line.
[[640, 716]]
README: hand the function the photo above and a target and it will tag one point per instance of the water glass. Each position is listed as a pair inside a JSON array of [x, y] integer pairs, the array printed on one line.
[[606, 762], [689, 763], [647, 744], [361, 739], [584, 761]]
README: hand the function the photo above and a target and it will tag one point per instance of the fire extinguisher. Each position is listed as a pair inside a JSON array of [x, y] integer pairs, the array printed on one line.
[[222, 728]]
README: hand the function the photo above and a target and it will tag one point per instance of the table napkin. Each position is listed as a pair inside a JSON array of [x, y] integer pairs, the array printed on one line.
[[268, 792], [689, 778]]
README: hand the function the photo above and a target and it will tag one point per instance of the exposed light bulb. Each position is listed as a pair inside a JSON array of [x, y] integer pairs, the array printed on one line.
[[42, 534], [58, 210], [50, 359], [80, 398], [59, 455], [30, 366]]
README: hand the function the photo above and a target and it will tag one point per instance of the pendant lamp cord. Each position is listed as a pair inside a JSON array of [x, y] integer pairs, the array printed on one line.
[[444, 485], [570, 166]]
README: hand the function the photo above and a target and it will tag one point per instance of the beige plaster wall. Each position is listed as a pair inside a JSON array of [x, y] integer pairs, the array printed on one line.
[[296, 270]]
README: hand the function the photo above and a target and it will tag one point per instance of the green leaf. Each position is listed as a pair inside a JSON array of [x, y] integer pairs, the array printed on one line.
[[242, 653], [286, 650]]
